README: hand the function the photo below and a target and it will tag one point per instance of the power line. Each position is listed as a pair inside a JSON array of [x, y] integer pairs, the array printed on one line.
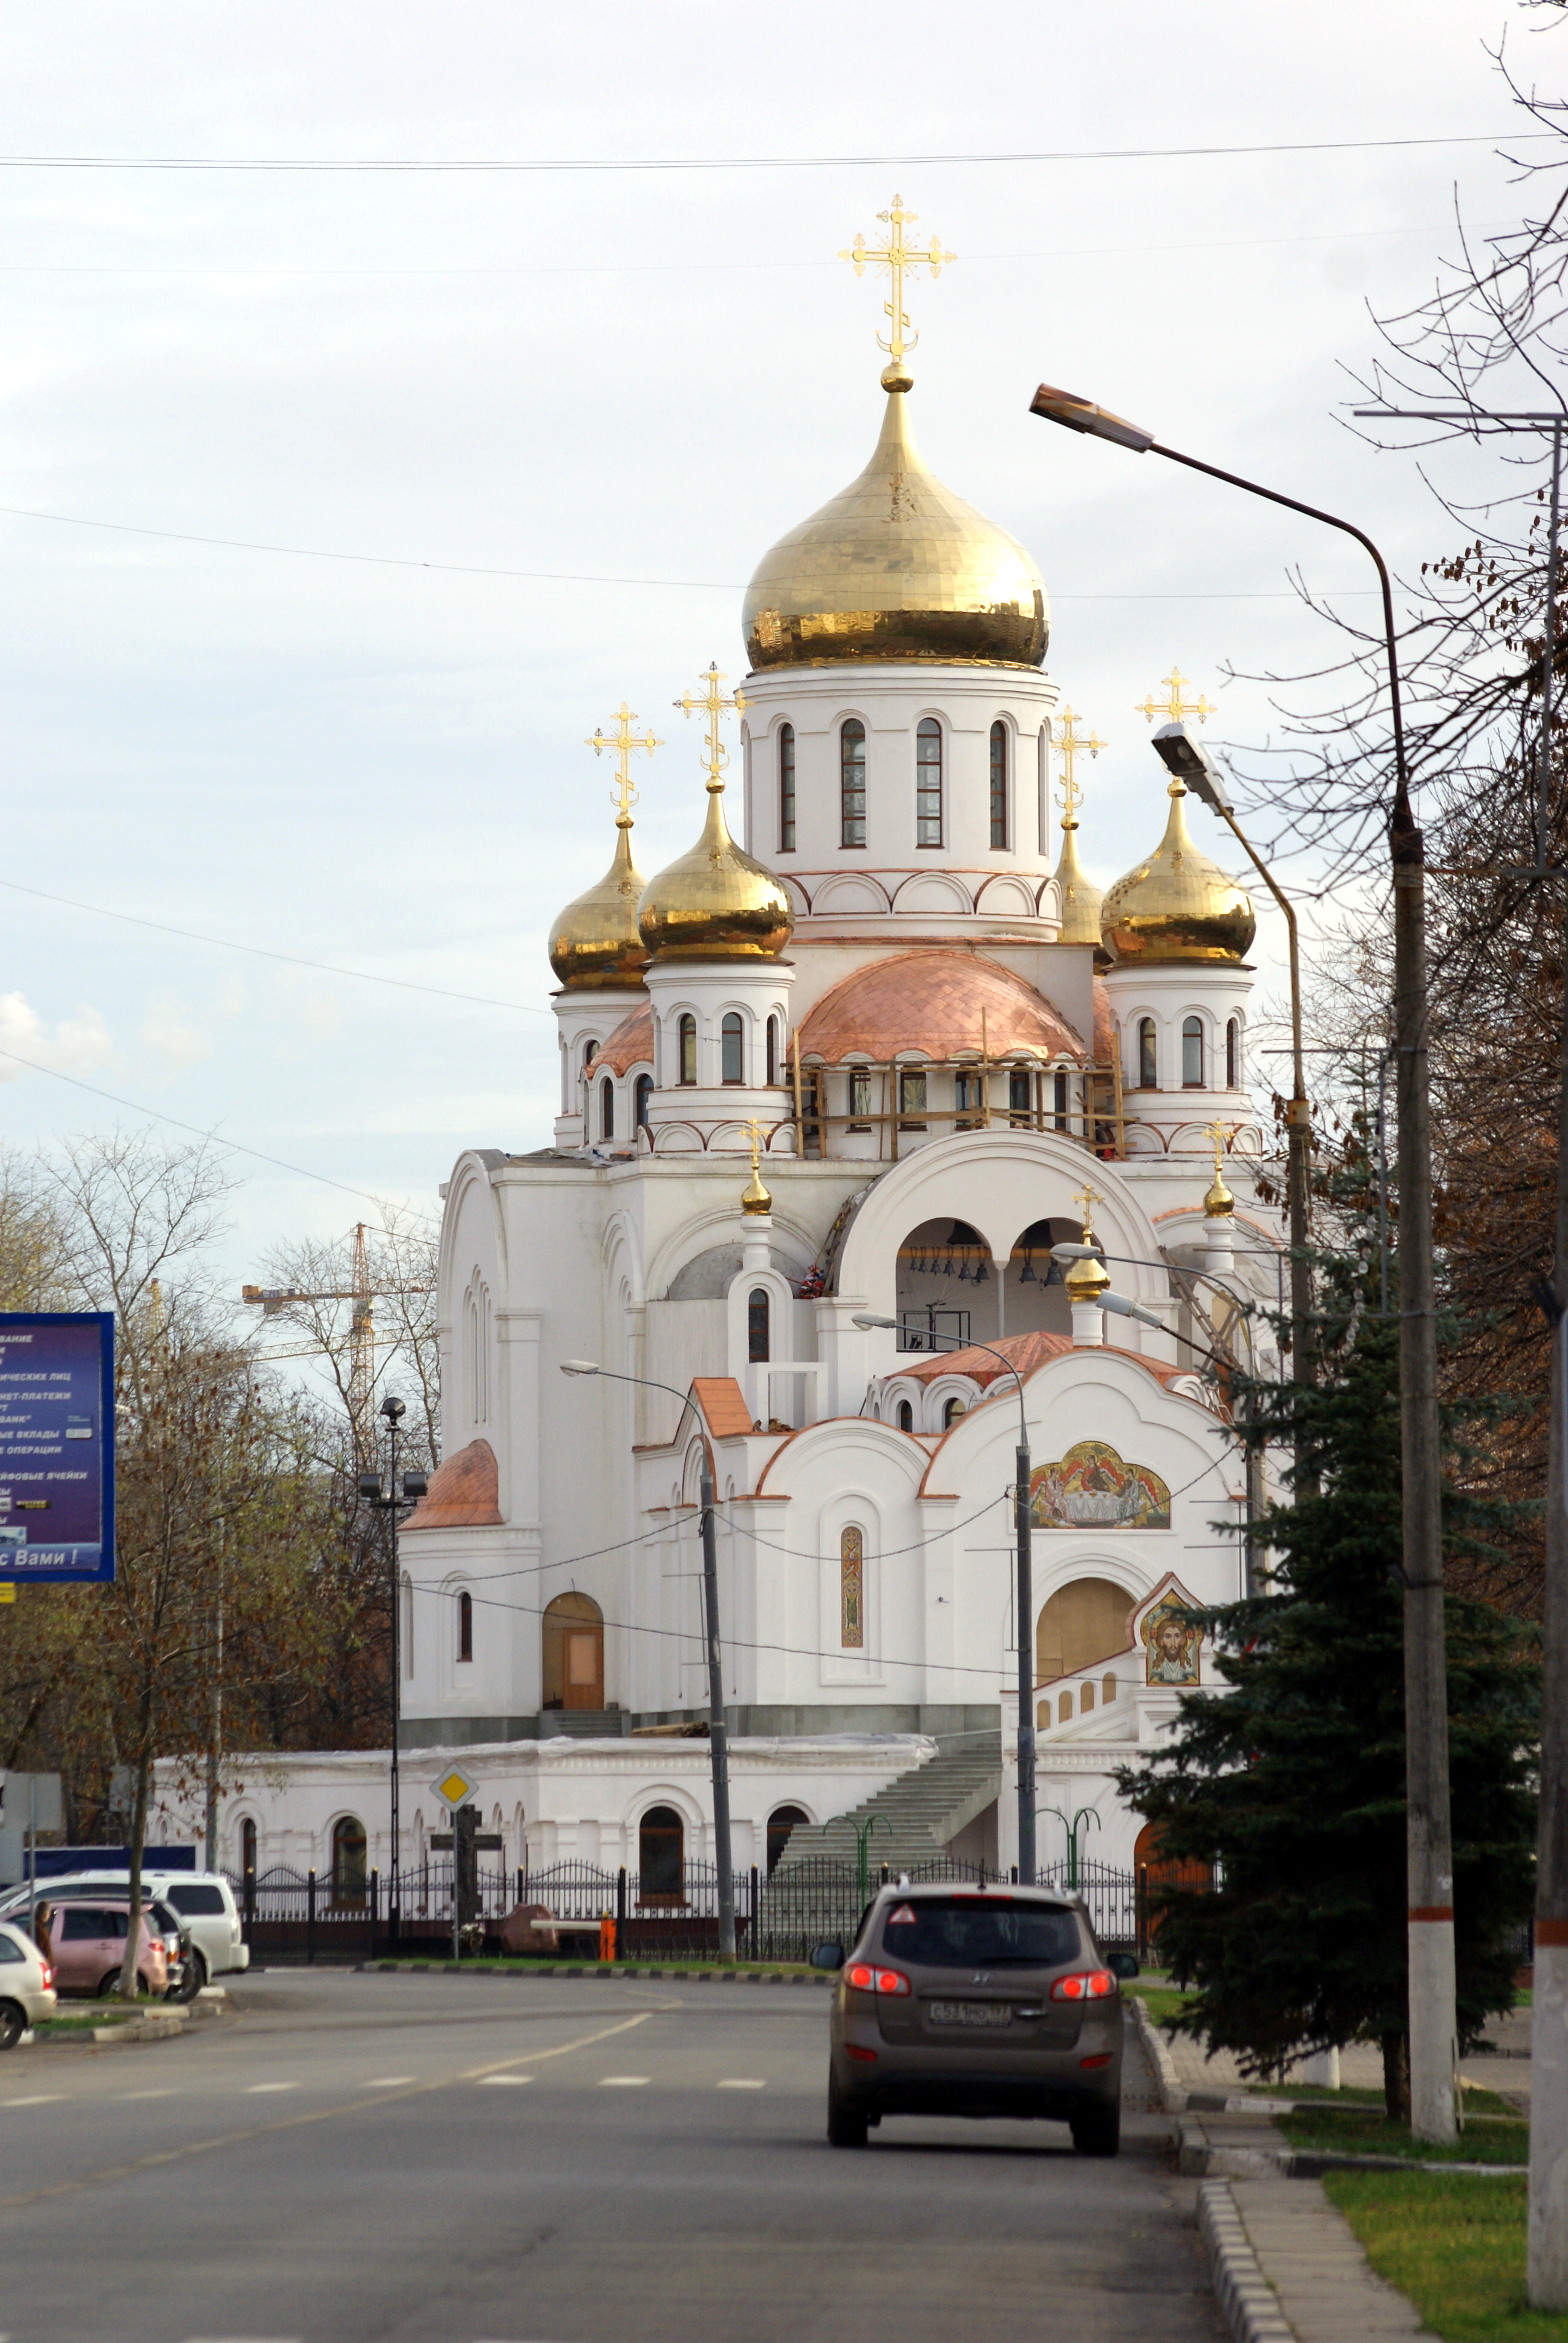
[[563, 577], [262, 952], [619, 163]]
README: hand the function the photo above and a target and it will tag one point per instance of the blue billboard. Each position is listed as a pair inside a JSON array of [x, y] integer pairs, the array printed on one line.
[[57, 1445]]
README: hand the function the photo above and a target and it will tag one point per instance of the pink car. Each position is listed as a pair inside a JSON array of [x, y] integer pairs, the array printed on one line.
[[90, 1942]]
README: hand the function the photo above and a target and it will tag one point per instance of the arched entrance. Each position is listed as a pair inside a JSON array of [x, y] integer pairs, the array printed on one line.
[[573, 1634], [781, 1822], [348, 1862], [661, 1858], [946, 1283], [1153, 1870], [1083, 1621]]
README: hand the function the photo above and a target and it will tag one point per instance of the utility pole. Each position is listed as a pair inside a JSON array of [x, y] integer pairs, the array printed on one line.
[[394, 1497], [719, 1736], [215, 1754]]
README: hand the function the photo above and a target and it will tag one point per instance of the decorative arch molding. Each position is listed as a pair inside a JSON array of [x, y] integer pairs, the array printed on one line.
[[701, 1232], [473, 1230], [1106, 1387], [800, 901], [824, 1444], [999, 1182], [852, 891], [933, 890], [620, 1258], [1013, 892]]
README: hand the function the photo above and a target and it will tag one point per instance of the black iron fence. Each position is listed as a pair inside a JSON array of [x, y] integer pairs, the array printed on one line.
[[305, 1916]]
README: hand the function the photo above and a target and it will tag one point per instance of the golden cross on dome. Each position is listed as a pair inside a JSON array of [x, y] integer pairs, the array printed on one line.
[[1087, 1197], [1222, 1138], [755, 1128], [623, 744], [1173, 706], [895, 256], [713, 704], [1070, 745]]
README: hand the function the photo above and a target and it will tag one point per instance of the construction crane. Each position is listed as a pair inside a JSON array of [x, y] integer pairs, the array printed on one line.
[[273, 1300]]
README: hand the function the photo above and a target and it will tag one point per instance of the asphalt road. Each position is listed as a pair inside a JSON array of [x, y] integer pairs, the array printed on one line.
[[433, 2159]]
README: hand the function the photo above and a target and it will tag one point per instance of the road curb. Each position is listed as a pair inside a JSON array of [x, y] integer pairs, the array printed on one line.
[[1173, 2095], [1248, 2302], [589, 1969], [1199, 2158]]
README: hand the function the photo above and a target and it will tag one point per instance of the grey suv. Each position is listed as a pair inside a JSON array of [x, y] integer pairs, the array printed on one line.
[[976, 2001]]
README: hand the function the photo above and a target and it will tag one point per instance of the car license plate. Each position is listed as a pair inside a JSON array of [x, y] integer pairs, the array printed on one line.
[[970, 2013]]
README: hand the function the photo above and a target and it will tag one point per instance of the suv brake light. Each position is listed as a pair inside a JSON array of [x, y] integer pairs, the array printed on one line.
[[864, 1978], [1085, 1985]]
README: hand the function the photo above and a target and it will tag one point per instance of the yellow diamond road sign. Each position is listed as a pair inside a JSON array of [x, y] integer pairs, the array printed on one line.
[[452, 1788]]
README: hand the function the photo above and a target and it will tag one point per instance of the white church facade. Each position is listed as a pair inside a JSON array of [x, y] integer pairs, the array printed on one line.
[[871, 1051]]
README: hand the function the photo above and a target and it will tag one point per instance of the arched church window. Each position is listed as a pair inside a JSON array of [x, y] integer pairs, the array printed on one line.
[[1192, 1053], [247, 1848], [661, 1858], [906, 1416], [644, 1099], [998, 785], [1058, 1102], [607, 1109], [348, 1860], [928, 782], [758, 1311], [590, 1051], [731, 1049], [571, 1636], [772, 1069], [968, 1099], [1148, 1060], [785, 789], [1019, 1106], [852, 1590], [780, 1822], [852, 782], [686, 1048], [951, 1413], [465, 1625], [1232, 1054]]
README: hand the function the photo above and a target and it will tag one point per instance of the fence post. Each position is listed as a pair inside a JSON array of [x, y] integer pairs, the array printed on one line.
[[620, 1911], [375, 1907], [310, 1916], [520, 1896], [249, 1904], [751, 1913]]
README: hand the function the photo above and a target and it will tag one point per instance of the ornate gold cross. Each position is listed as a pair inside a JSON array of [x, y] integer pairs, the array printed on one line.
[[623, 744], [1087, 1197], [755, 1128], [713, 704], [1173, 706], [1222, 1138], [895, 256], [1070, 745]]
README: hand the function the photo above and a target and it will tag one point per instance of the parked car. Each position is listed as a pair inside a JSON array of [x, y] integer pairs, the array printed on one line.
[[976, 2001], [26, 1985], [203, 1900], [90, 1948], [183, 1968]]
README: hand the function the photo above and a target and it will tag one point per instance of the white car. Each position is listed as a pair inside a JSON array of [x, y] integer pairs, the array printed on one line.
[[203, 1899], [26, 1985]]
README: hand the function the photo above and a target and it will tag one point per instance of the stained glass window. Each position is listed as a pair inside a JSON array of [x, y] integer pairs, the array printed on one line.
[[851, 1591]]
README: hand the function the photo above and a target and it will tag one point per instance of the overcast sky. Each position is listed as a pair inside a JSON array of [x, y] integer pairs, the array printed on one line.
[[608, 376]]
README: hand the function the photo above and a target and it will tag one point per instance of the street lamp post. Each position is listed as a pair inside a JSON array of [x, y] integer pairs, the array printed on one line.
[[1429, 1849], [1026, 1864], [718, 1733], [392, 1497]]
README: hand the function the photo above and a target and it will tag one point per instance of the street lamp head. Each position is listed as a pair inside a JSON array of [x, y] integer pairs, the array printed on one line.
[[1070, 1252], [1121, 1307], [1188, 760], [866, 1318], [393, 1409], [579, 1367], [1078, 414]]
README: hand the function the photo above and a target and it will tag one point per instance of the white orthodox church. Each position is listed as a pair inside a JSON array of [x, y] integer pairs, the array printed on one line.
[[870, 1050]]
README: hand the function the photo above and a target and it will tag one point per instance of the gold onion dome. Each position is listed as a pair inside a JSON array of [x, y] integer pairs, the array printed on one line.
[[1088, 1279], [715, 902], [1081, 898], [1176, 904], [1218, 1203], [594, 945], [896, 568], [755, 1199]]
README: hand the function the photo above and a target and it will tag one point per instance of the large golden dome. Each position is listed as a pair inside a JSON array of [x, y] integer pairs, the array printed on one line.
[[594, 945], [1177, 905], [896, 568], [715, 902]]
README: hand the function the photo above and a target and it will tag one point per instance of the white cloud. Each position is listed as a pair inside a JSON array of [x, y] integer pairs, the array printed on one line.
[[77, 1045]]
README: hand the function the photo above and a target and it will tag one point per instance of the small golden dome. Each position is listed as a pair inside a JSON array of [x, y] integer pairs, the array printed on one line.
[[1177, 905], [1088, 1279], [896, 568], [1081, 898], [754, 1197], [715, 902], [1218, 1203], [594, 945]]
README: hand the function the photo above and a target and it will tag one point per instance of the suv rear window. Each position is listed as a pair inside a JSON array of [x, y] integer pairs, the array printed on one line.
[[197, 1900], [981, 1932]]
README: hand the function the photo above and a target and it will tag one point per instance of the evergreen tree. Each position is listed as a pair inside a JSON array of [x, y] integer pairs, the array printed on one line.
[[1291, 1784]]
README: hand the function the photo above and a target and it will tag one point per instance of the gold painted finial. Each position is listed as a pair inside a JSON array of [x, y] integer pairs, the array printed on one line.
[[623, 744], [754, 1201], [1218, 1203], [1070, 745], [1173, 707], [1087, 1280], [714, 705], [895, 256]]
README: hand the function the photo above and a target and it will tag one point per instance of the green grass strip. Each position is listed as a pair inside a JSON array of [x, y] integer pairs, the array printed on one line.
[[1454, 2243]]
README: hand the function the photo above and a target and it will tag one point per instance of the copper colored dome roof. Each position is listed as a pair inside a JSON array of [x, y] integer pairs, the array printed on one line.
[[932, 1002], [630, 1044], [464, 1493]]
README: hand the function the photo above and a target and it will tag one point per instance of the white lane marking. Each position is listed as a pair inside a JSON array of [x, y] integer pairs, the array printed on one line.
[[34, 2098], [388, 2082], [743, 2083], [146, 2094], [253, 2090], [505, 2078], [622, 2082]]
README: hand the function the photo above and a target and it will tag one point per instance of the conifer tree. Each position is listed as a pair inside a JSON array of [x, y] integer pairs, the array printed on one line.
[[1292, 1783]]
